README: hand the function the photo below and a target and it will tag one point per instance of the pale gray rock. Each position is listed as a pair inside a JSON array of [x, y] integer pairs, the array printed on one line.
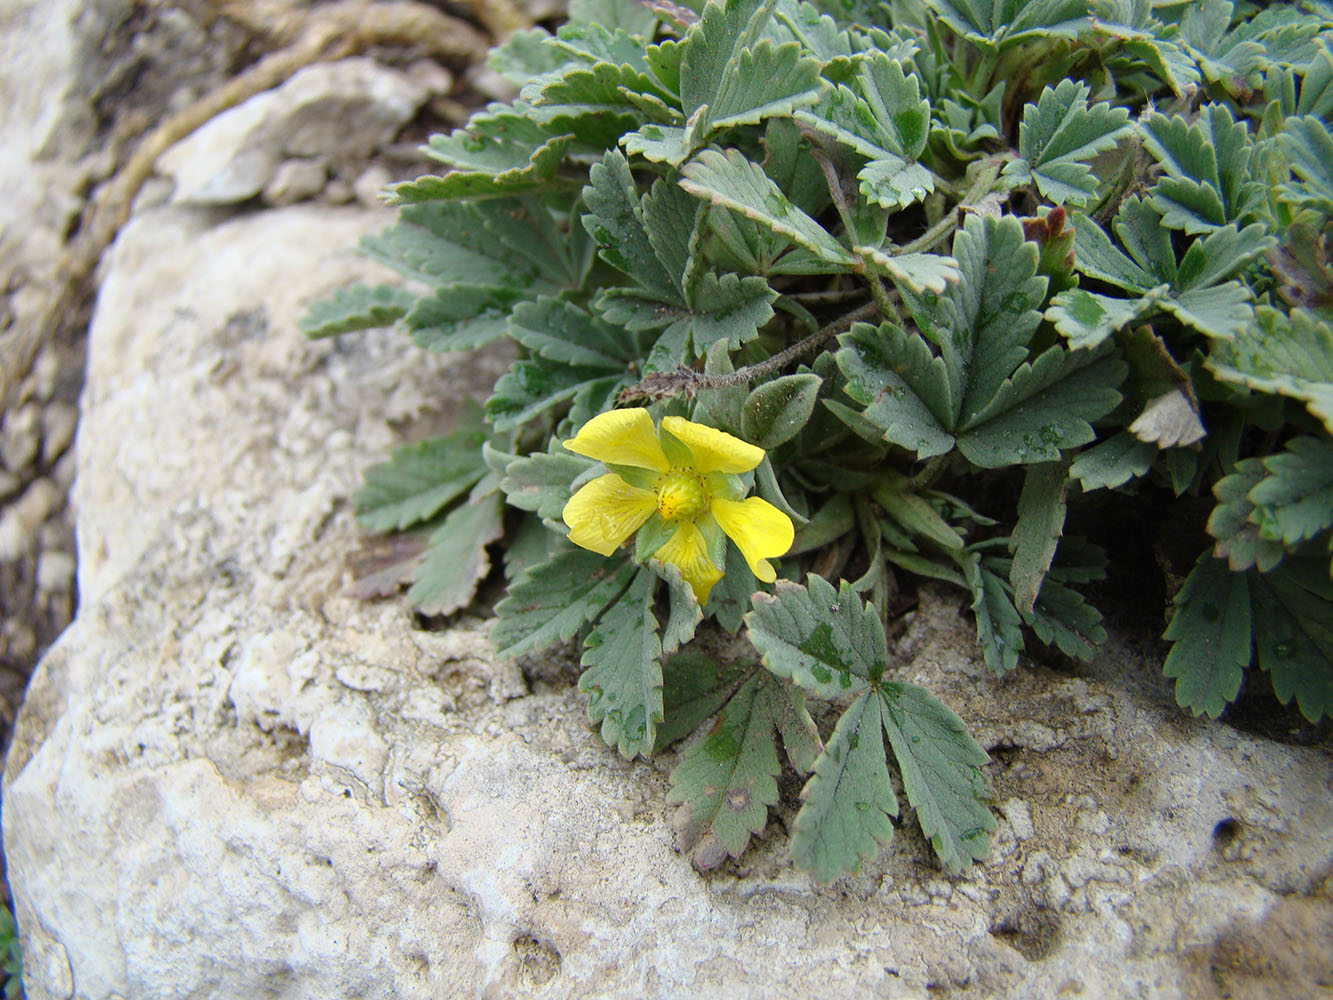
[[345, 108], [296, 180], [21, 437], [286, 792]]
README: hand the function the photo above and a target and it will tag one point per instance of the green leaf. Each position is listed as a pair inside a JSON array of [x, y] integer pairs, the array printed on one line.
[[1003, 24], [826, 641], [909, 508], [1062, 616], [999, 625], [1294, 501], [495, 244], [530, 388], [728, 779], [1293, 625], [694, 687], [551, 601], [357, 307], [1037, 531], [848, 802], [913, 272], [630, 18], [1210, 636], [460, 317], [885, 120], [727, 308], [623, 678], [1291, 355], [542, 482], [1044, 408], [615, 223], [1112, 462], [777, 411], [730, 75], [903, 387], [456, 560], [1086, 319], [1208, 180], [501, 151], [941, 768], [1059, 135], [420, 480], [982, 324], [561, 331], [732, 181], [1308, 147]]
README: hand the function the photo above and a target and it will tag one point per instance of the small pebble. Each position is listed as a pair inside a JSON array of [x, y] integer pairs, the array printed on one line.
[[59, 421], [370, 186], [44, 375], [21, 437], [431, 77], [55, 572], [22, 518], [18, 641], [338, 192], [9, 484], [296, 180]]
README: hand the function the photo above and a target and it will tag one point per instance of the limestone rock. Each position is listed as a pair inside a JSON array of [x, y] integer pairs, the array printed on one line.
[[230, 779], [345, 108]]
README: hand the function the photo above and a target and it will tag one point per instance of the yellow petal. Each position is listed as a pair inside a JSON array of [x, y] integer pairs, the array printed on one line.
[[606, 511], [714, 450], [759, 529], [687, 550], [621, 437]]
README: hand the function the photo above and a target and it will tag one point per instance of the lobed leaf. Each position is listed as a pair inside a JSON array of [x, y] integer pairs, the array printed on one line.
[[1210, 636], [455, 561], [422, 479], [551, 601], [1291, 355], [1059, 135], [623, 678], [357, 307]]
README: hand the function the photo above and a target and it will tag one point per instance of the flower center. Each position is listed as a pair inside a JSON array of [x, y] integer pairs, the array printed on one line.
[[680, 495]]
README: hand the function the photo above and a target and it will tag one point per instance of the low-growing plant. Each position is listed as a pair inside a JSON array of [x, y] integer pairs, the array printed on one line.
[[813, 300]]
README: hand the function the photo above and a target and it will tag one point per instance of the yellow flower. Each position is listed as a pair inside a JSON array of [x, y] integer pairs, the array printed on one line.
[[679, 488]]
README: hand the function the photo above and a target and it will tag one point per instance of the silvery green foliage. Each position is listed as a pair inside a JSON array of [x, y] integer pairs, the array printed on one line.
[[959, 268]]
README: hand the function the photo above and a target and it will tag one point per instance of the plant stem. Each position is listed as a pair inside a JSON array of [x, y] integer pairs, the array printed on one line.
[[926, 477]]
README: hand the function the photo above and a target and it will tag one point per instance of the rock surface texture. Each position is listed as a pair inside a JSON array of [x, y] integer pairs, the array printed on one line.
[[231, 779]]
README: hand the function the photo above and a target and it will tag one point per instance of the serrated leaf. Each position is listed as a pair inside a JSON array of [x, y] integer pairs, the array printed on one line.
[[1037, 530], [905, 505], [456, 561], [496, 244], [1291, 355], [1086, 319], [776, 411], [623, 678], [982, 324], [1208, 181], [530, 388], [1044, 408], [728, 779], [1293, 625], [1308, 147], [551, 601], [885, 120], [913, 272], [769, 80], [356, 307], [1210, 636], [732, 181], [941, 768], [617, 228], [1003, 24], [903, 387], [460, 317], [1059, 135], [561, 331], [694, 687], [421, 479], [1294, 501], [1063, 617], [542, 482], [630, 18], [847, 803], [727, 308], [826, 641], [1112, 462], [999, 626]]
